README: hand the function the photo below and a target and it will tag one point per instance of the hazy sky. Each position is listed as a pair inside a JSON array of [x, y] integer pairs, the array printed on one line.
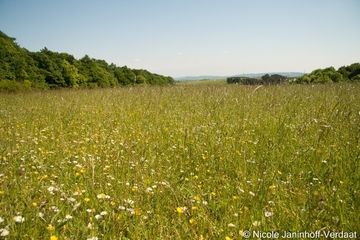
[[192, 37]]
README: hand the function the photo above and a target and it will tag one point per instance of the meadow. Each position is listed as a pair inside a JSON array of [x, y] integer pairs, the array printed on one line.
[[179, 162]]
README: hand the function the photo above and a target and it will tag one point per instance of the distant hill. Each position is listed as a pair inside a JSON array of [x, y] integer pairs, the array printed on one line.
[[250, 75]]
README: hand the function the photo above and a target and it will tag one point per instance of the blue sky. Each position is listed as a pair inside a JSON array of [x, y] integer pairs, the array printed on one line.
[[192, 37]]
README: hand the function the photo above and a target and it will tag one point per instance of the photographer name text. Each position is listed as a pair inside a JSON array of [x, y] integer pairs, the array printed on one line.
[[303, 234]]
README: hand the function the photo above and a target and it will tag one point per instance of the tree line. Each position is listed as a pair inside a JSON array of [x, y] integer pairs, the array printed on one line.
[[21, 69], [266, 79], [329, 75]]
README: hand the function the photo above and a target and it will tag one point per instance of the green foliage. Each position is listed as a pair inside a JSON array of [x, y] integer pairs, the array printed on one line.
[[14, 86], [329, 75], [266, 79], [46, 69]]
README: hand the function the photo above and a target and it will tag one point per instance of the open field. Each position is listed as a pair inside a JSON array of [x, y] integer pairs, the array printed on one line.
[[179, 162]]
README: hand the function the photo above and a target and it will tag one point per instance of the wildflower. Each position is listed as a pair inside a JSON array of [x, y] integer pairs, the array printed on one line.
[[228, 238], [1, 192], [272, 187], [231, 225], [137, 212], [92, 238], [98, 216], [256, 223], [192, 221], [251, 193], [4, 232], [213, 194], [129, 201], [131, 211], [103, 213], [34, 204], [19, 219], [181, 209], [197, 198], [51, 190], [50, 227], [68, 217], [279, 172], [55, 209], [87, 199], [53, 238], [268, 214], [89, 226], [101, 196]]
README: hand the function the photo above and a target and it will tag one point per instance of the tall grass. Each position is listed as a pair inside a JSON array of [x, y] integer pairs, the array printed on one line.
[[179, 162]]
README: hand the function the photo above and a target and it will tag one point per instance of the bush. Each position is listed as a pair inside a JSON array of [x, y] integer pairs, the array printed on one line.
[[13, 86]]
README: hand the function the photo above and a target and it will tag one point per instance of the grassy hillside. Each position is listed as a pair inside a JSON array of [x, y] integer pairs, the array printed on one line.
[[179, 162]]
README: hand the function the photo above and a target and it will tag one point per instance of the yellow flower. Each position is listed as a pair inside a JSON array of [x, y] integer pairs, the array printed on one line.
[[180, 209], [87, 199], [137, 212], [1, 192], [279, 172], [34, 204], [272, 187], [197, 198], [53, 238], [192, 221], [228, 238], [50, 227], [213, 194]]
